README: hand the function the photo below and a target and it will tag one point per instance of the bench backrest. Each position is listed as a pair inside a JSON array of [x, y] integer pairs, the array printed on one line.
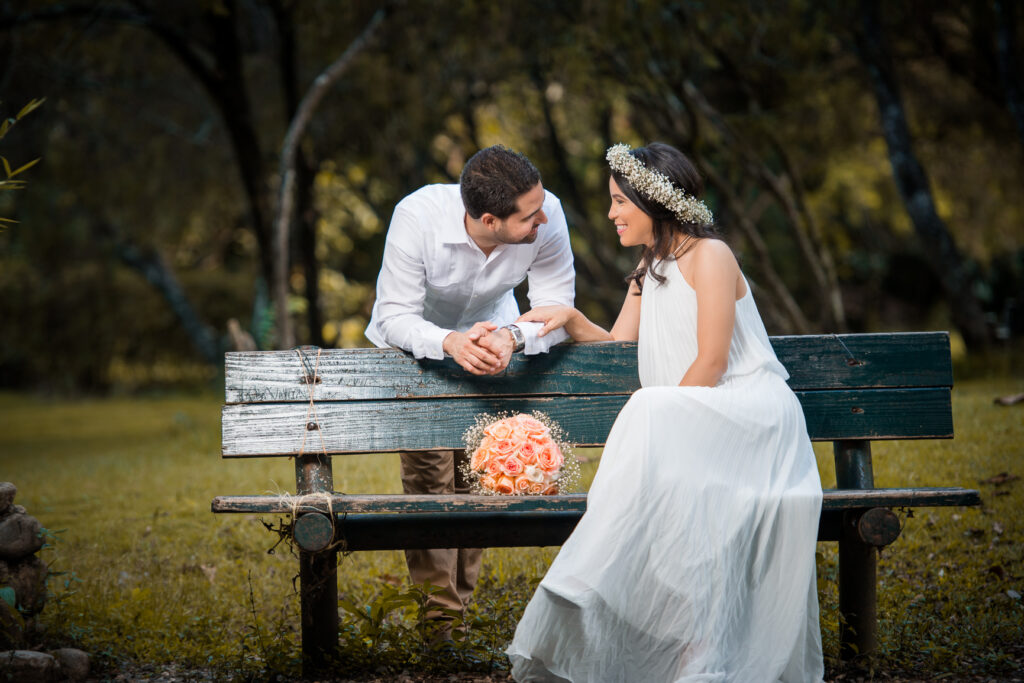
[[856, 386]]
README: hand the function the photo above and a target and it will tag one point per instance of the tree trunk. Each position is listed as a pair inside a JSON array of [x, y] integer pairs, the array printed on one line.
[[289, 154], [152, 266], [305, 212], [231, 96], [1006, 59], [913, 185]]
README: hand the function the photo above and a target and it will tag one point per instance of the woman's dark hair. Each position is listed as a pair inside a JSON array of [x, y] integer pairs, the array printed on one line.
[[493, 179], [667, 227]]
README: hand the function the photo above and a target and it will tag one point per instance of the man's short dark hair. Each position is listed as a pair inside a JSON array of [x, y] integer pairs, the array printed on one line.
[[493, 179]]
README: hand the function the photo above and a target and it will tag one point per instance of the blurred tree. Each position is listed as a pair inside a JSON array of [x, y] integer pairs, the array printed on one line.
[[913, 183], [165, 123], [300, 119]]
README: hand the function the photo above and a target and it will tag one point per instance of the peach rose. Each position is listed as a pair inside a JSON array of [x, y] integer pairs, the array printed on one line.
[[478, 461], [513, 466], [536, 487], [505, 447], [532, 426], [528, 453], [550, 459], [500, 429], [551, 490], [494, 466], [523, 485], [504, 486], [487, 481], [519, 434]]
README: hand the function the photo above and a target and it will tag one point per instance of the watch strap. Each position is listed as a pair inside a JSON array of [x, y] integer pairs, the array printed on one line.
[[518, 339]]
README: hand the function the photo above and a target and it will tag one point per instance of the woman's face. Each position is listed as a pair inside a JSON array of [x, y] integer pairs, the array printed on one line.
[[633, 225]]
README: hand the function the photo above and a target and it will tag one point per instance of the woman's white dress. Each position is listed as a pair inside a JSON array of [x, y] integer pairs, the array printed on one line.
[[695, 558]]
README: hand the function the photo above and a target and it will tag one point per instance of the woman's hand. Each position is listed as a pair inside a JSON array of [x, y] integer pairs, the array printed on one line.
[[553, 317], [575, 323]]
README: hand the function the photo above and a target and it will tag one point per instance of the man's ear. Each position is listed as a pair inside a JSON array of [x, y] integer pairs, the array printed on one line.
[[490, 221]]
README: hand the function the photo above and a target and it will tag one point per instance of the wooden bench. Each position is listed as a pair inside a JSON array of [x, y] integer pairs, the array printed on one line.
[[854, 389]]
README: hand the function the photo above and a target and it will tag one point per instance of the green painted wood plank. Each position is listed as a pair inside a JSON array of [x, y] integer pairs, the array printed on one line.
[[899, 359], [385, 426], [832, 499], [814, 361]]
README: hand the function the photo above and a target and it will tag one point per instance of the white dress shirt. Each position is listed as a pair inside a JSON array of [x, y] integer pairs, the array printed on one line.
[[435, 280]]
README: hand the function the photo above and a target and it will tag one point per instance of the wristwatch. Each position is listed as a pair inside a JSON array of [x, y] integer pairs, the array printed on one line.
[[517, 337]]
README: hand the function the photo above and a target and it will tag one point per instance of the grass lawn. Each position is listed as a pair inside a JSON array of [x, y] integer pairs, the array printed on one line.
[[150, 575]]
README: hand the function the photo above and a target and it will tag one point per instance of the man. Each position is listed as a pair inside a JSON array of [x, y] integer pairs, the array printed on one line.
[[453, 255]]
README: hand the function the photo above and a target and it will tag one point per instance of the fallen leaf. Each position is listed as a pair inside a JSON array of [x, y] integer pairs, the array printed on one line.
[[1000, 479]]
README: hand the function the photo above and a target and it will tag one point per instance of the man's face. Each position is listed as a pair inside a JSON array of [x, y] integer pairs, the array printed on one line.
[[523, 226]]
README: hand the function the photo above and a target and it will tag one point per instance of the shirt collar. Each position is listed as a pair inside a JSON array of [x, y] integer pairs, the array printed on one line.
[[452, 228]]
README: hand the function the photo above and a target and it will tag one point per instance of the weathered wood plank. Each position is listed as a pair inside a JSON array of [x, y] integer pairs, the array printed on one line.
[[266, 429], [898, 359], [832, 499], [911, 359]]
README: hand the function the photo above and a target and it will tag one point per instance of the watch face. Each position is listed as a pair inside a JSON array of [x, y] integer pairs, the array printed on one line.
[[518, 340]]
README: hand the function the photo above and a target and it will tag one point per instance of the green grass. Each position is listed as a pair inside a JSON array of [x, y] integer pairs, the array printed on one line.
[[153, 576]]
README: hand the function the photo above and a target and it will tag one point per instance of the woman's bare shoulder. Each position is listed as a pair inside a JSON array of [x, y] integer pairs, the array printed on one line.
[[712, 254]]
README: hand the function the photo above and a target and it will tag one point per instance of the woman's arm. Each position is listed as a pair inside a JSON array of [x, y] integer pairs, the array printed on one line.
[[581, 329], [627, 325], [715, 276], [577, 325]]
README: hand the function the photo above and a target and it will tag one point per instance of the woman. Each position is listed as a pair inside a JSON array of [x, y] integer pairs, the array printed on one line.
[[695, 559]]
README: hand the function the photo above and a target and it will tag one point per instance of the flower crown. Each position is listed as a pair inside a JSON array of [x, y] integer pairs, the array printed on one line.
[[656, 186]]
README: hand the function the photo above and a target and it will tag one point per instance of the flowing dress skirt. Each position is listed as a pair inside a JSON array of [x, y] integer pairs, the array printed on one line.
[[695, 558]]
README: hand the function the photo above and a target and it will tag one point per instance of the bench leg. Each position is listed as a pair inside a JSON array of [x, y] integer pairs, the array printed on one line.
[[318, 588], [318, 577], [858, 629]]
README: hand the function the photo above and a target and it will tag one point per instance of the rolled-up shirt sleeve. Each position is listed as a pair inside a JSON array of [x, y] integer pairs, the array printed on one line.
[[401, 291], [552, 281]]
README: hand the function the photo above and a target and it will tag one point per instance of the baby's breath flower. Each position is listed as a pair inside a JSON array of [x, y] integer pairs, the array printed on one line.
[[657, 187]]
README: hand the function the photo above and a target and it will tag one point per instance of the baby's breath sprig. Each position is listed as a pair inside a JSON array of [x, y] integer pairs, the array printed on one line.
[[656, 186]]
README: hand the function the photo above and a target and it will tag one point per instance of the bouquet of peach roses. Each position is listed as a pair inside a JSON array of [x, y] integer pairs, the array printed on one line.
[[519, 455]]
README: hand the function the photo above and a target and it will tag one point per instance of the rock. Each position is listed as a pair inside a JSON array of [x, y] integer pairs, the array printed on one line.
[[12, 628], [26, 666], [74, 664], [28, 579], [19, 536], [7, 492]]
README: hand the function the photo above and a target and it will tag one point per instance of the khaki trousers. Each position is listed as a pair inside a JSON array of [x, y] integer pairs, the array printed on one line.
[[455, 570]]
